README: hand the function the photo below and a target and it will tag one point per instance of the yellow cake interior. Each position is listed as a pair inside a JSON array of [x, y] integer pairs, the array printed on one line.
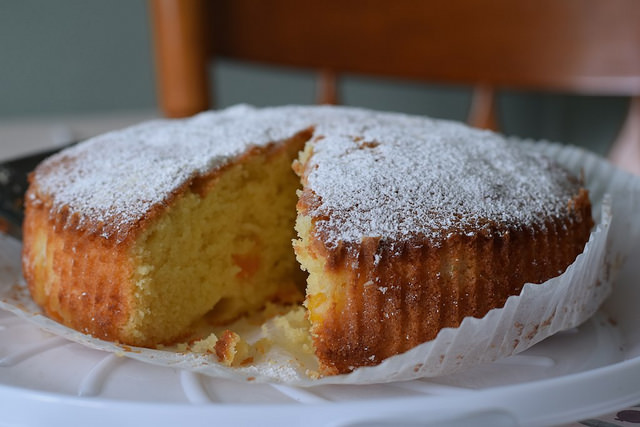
[[220, 254], [323, 286]]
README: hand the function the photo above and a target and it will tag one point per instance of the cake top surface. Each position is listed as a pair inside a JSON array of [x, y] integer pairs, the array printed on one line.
[[375, 174], [430, 178]]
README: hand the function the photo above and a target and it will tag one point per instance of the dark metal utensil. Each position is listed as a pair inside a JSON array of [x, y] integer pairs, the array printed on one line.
[[13, 185]]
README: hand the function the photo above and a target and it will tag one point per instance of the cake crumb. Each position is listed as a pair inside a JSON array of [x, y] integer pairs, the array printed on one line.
[[206, 345], [290, 331], [231, 349]]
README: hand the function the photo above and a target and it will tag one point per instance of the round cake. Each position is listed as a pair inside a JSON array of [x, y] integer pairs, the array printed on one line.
[[405, 225]]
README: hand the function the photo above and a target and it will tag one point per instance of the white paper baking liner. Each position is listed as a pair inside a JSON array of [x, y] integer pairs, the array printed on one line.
[[538, 312]]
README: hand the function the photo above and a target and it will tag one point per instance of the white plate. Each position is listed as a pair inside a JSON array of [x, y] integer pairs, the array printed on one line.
[[573, 375]]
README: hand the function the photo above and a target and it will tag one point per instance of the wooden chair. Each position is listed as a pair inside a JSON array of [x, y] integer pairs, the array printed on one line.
[[589, 47]]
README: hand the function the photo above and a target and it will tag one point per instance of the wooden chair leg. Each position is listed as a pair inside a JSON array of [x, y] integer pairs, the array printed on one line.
[[327, 87], [181, 55], [482, 113], [625, 151]]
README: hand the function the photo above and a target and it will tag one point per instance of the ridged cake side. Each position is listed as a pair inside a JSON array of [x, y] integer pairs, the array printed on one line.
[[79, 279], [371, 301]]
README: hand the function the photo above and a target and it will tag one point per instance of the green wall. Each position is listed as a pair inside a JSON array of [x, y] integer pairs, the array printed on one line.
[[69, 56]]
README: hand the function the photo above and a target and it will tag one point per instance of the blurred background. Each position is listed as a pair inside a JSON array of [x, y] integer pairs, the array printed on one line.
[[70, 69]]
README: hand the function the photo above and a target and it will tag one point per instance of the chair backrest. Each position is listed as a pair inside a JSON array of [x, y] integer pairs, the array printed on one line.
[[572, 46]]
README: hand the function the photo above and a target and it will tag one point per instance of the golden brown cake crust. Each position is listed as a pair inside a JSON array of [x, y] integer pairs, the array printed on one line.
[[76, 277]]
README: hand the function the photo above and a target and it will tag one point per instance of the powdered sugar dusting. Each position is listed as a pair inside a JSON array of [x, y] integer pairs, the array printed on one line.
[[377, 174], [404, 177], [117, 177]]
